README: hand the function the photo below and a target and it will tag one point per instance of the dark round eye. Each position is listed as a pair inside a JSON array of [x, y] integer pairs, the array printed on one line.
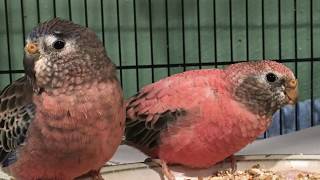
[[271, 77], [59, 44]]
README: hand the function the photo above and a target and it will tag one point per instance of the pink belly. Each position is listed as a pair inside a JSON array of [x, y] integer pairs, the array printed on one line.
[[209, 139], [67, 155], [68, 139], [199, 154]]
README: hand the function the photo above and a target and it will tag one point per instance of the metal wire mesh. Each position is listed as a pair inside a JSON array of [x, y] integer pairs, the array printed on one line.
[[151, 39]]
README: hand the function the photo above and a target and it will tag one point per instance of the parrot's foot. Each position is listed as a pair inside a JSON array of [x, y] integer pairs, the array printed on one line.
[[233, 162], [200, 178], [97, 177], [165, 169], [92, 175]]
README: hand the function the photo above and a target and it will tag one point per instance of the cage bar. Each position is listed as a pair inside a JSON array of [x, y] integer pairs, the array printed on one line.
[[151, 40], [38, 11], [280, 57], [86, 12], [54, 8], [8, 39], [263, 41], [119, 41], [215, 34], [70, 11], [230, 22], [183, 37], [167, 37], [311, 63], [263, 30], [199, 34], [296, 56], [102, 23], [22, 21], [247, 29], [136, 42]]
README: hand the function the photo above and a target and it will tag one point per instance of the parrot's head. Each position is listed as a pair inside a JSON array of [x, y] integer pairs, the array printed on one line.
[[62, 55], [263, 86]]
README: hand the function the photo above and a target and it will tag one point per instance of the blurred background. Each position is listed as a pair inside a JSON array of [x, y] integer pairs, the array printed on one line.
[[152, 39]]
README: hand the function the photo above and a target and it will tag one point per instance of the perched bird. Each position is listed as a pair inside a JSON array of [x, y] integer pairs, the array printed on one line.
[[66, 116], [200, 117]]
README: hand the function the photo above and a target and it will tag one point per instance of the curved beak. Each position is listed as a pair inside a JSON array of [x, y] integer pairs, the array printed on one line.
[[31, 48], [31, 55], [291, 91]]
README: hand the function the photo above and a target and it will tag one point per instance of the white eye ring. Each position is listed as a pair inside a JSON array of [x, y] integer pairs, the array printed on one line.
[[50, 39]]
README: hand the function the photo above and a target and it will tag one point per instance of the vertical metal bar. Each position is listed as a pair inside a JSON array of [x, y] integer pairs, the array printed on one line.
[[263, 41], [70, 11], [280, 57], [8, 38], [167, 36], [199, 34], [151, 40], [247, 30], [295, 56], [263, 30], [22, 21], [311, 63], [38, 11], [183, 37], [86, 12], [215, 34], [230, 22], [54, 8], [102, 21], [119, 41], [136, 42]]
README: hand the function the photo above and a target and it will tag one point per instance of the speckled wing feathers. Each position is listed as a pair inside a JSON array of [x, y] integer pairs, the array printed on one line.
[[16, 113], [145, 129]]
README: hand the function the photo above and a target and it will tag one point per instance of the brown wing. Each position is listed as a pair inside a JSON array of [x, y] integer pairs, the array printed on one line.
[[16, 113]]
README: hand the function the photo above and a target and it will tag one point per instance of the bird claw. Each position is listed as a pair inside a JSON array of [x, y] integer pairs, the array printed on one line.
[[165, 169], [233, 162], [92, 175], [97, 177]]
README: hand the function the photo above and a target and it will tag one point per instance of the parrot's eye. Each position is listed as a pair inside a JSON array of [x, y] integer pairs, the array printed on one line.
[[59, 44], [271, 77]]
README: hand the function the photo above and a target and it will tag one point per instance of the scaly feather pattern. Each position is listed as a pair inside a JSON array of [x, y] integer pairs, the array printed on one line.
[[16, 113]]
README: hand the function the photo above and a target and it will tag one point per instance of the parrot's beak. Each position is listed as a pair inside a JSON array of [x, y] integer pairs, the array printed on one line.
[[291, 91], [31, 55], [31, 48]]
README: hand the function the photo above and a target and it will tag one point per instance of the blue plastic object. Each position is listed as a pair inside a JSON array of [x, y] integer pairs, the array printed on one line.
[[292, 120]]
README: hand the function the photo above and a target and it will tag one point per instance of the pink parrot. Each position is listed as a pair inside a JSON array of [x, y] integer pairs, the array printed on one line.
[[65, 117], [200, 117]]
